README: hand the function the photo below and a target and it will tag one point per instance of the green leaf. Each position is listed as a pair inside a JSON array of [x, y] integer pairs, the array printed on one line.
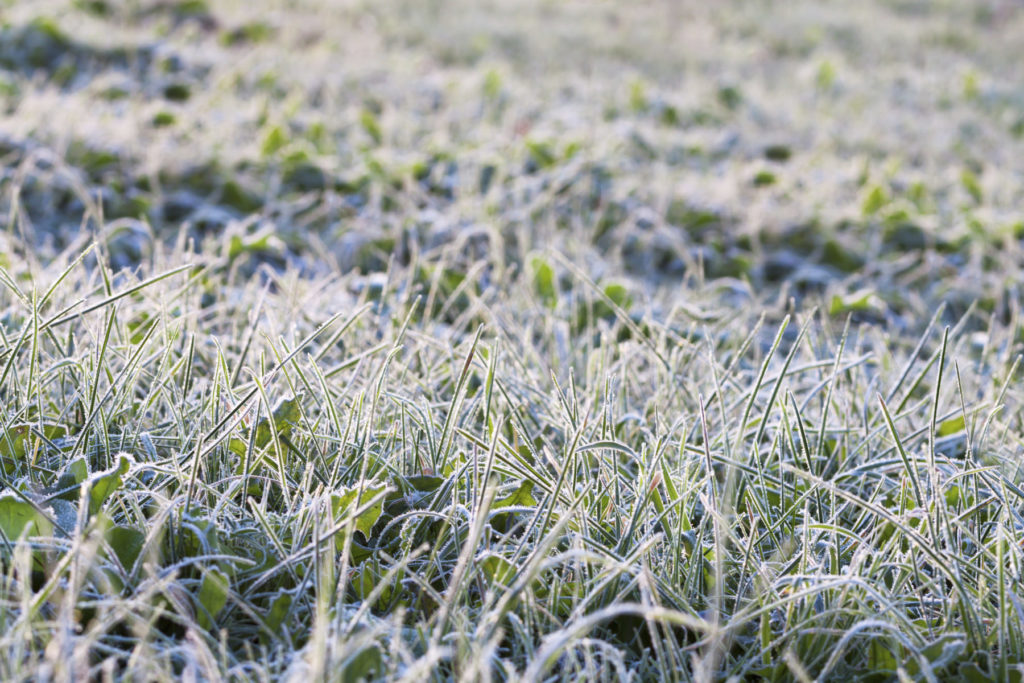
[[19, 517], [826, 76], [618, 294], [139, 325], [177, 92], [162, 119], [492, 84], [952, 426], [638, 100], [18, 442], [972, 673], [278, 611], [880, 657], [251, 32], [366, 664], [521, 497], [971, 88], [213, 595], [265, 243], [12, 447], [875, 199], [285, 415], [345, 503], [54, 431], [127, 544], [103, 484], [944, 650], [364, 579], [954, 496], [240, 198], [76, 472], [424, 482], [371, 126], [730, 97], [860, 301], [544, 281], [542, 153], [973, 186], [498, 570], [273, 140], [780, 153]]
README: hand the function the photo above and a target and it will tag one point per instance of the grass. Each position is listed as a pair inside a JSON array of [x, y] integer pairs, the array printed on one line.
[[482, 358]]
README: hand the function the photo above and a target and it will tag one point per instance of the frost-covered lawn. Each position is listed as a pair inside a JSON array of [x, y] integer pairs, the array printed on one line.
[[480, 340]]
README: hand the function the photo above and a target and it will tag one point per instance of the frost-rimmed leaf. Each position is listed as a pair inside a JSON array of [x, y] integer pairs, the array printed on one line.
[[342, 504], [103, 484]]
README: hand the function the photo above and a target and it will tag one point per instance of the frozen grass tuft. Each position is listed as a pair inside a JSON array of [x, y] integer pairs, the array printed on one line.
[[286, 480]]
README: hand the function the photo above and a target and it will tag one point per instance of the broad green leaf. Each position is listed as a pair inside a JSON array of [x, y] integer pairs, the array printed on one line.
[[63, 513], [278, 610], [876, 198], [365, 665], [19, 517], [618, 294], [76, 472], [880, 657], [213, 595], [54, 431], [521, 497], [285, 415], [368, 577], [276, 616], [954, 496], [12, 447], [498, 570], [364, 579], [102, 484], [972, 673], [424, 482], [127, 544], [344, 503], [273, 140], [944, 650], [18, 442], [730, 97]]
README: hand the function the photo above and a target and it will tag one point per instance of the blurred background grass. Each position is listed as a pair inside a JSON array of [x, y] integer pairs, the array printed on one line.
[[814, 146]]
